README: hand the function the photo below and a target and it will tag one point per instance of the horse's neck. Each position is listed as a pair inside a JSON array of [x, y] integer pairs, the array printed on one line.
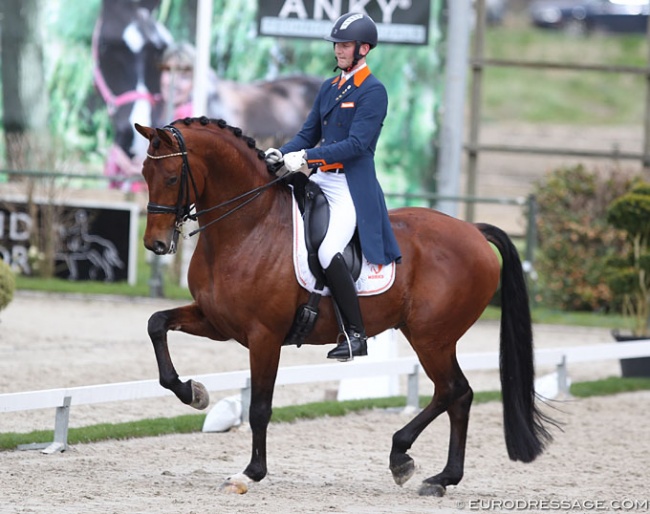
[[249, 203], [263, 226]]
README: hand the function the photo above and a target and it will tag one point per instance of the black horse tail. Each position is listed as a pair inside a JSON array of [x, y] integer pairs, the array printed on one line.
[[524, 425]]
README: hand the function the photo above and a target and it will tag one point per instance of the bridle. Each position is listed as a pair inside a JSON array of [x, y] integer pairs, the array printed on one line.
[[183, 210]]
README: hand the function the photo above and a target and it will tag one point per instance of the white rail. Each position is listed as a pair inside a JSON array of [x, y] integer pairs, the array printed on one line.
[[62, 399]]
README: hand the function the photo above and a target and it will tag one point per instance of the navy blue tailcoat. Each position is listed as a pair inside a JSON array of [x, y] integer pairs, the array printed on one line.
[[341, 131]]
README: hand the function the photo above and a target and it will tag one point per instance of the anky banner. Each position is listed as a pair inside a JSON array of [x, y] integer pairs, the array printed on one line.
[[398, 21]]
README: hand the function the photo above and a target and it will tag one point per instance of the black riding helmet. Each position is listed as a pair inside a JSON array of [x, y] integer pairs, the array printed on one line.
[[355, 27]]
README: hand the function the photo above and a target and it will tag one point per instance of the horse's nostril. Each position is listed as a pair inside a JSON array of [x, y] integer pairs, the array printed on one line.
[[159, 248]]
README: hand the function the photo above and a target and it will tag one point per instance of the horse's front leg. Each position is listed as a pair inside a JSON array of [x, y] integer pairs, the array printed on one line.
[[264, 360], [189, 319]]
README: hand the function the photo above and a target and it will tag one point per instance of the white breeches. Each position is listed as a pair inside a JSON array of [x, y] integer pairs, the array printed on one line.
[[343, 216]]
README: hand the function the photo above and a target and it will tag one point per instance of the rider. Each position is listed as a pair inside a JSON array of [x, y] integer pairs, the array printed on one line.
[[339, 138]]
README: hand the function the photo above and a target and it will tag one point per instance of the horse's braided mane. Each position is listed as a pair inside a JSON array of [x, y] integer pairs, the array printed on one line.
[[204, 120]]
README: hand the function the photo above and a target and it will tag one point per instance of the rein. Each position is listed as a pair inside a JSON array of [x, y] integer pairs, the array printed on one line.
[[183, 207]]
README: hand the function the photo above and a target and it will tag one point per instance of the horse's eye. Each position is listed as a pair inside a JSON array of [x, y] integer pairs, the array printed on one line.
[[172, 181]]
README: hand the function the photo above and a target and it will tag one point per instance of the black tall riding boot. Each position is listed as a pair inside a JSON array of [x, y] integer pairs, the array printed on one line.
[[341, 284]]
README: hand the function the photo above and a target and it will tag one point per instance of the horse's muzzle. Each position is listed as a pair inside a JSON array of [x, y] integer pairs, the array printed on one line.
[[160, 248], [163, 246]]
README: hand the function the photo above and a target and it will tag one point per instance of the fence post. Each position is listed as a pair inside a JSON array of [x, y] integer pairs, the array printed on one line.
[[412, 391], [562, 378], [61, 422], [60, 443]]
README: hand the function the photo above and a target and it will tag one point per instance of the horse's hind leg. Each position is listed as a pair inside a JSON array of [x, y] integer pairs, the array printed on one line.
[[452, 394], [187, 319], [452, 473]]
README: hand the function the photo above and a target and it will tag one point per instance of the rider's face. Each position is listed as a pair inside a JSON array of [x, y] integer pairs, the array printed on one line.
[[344, 53]]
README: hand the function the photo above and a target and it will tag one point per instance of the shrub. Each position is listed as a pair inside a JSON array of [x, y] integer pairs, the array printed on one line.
[[7, 284], [575, 238], [629, 276]]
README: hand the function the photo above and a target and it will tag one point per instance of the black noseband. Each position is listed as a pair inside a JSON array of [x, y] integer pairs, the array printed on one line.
[[156, 208]]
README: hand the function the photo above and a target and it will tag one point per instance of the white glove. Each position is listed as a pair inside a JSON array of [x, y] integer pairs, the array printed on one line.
[[272, 156], [295, 161]]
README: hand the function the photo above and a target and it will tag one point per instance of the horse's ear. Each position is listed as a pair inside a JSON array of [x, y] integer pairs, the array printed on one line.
[[145, 131], [164, 136]]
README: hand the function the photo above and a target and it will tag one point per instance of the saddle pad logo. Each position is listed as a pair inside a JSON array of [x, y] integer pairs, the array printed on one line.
[[347, 105], [375, 269]]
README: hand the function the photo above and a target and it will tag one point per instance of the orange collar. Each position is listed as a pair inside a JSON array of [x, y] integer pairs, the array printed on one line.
[[358, 77], [361, 75]]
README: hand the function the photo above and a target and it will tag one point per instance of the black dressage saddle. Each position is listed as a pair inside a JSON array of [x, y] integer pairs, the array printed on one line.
[[316, 216], [315, 211]]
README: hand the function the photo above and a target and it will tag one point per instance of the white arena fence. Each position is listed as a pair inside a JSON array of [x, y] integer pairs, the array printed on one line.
[[62, 399]]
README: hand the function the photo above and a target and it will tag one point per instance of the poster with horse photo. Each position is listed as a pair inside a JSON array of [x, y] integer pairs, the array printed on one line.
[[99, 66]]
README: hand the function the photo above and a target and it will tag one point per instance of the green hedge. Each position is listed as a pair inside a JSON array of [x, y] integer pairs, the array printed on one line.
[[7, 284], [575, 238]]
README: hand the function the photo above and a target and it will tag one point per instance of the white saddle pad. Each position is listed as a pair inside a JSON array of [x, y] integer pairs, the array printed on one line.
[[374, 278]]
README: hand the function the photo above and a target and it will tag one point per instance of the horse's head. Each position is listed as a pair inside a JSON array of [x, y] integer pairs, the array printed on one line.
[[172, 188], [198, 169]]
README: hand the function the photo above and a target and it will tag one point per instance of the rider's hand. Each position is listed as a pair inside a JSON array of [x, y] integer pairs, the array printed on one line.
[[295, 161], [272, 156]]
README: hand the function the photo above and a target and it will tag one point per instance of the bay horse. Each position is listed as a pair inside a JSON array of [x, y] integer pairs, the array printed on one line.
[[244, 288]]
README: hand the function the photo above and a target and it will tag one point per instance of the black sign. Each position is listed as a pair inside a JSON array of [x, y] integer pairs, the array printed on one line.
[[398, 21], [91, 242]]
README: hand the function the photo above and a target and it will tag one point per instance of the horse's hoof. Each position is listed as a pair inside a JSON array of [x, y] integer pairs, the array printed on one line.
[[403, 472], [200, 396], [235, 484], [427, 489], [233, 487]]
